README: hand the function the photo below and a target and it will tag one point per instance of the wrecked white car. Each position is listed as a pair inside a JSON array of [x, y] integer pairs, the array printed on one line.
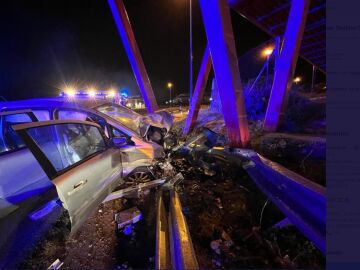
[[74, 158], [46, 165], [139, 149]]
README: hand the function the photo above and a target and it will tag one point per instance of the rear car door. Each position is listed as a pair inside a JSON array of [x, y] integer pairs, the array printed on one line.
[[19, 170], [9, 140], [78, 158]]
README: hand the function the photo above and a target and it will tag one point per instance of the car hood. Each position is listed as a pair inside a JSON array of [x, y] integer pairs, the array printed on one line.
[[162, 119]]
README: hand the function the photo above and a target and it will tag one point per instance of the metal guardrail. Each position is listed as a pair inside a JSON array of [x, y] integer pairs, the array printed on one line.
[[174, 249], [162, 259], [301, 200], [172, 234]]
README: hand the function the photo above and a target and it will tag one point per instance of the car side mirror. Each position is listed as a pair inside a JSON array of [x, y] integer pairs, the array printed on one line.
[[119, 141]]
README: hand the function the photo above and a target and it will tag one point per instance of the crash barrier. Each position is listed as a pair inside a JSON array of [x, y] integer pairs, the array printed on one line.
[[174, 249], [302, 201], [162, 259]]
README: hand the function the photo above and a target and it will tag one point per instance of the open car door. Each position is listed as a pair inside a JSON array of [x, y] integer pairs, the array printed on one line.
[[79, 160], [9, 140]]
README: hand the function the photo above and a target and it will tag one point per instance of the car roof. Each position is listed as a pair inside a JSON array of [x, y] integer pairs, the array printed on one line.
[[59, 102], [53, 102]]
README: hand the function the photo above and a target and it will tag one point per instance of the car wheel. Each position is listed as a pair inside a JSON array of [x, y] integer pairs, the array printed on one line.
[[138, 178]]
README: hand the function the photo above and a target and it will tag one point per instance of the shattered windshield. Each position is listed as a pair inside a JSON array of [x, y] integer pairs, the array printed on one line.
[[125, 116]]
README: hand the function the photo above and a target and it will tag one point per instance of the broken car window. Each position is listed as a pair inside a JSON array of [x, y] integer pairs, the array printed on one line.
[[125, 116], [9, 139], [67, 144]]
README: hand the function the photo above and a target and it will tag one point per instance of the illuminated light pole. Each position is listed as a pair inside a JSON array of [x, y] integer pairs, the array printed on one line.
[[313, 78], [170, 85], [267, 52], [191, 55]]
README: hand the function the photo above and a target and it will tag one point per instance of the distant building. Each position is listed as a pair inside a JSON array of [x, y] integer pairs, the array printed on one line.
[[134, 102], [183, 99]]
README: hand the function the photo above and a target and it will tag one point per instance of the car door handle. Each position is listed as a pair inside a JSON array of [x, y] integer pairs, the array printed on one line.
[[77, 187], [81, 183]]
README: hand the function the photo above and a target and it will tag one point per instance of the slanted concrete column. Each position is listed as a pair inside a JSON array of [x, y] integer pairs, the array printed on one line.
[[220, 36], [199, 92], [128, 38], [286, 64]]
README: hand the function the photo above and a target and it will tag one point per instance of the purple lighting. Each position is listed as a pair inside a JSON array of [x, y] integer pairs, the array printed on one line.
[[199, 92], [44, 211], [219, 32], [124, 27], [286, 63]]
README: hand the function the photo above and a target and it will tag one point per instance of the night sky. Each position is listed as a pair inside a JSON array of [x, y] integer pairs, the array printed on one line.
[[46, 44]]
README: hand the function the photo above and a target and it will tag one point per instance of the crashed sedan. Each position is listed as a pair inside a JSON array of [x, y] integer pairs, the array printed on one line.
[[142, 134], [64, 163], [73, 159]]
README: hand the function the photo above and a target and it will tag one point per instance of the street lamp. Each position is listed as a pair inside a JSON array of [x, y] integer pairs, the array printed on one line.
[[297, 79], [267, 52], [170, 85], [191, 51]]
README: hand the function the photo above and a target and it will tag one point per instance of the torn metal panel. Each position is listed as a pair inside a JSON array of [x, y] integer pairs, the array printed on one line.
[[134, 191], [56, 265], [175, 180], [162, 120], [128, 217]]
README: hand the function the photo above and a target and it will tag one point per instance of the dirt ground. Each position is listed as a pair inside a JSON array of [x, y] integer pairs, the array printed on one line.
[[99, 244], [224, 212], [230, 222]]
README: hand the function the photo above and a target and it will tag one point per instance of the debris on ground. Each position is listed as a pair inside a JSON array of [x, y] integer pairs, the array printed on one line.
[[167, 170], [137, 191], [99, 244], [56, 265], [223, 207], [175, 180], [128, 217]]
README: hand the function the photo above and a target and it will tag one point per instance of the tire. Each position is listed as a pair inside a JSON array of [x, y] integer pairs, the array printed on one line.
[[138, 177]]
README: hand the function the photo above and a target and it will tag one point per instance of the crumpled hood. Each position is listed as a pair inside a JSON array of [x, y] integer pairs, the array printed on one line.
[[162, 119]]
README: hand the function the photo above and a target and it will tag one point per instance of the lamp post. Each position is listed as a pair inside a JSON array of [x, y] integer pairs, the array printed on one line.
[[267, 52], [313, 78], [170, 85], [191, 54]]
